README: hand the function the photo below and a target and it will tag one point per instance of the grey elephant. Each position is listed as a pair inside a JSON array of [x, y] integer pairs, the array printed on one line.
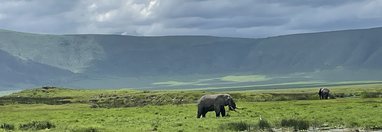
[[324, 93], [215, 102]]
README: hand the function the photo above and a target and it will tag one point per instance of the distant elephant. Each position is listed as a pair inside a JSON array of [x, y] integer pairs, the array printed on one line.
[[323, 93], [215, 102]]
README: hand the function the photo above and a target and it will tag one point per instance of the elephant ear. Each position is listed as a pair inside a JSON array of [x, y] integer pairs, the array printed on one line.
[[227, 97]]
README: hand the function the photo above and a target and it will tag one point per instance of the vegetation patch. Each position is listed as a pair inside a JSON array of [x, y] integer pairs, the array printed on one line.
[[35, 100], [37, 125], [236, 126], [173, 83], [297, 124], [245, 78], [7, 126], [371, 94], [264, 125]]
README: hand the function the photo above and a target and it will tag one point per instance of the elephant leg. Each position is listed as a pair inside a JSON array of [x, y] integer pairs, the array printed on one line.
[[204, 114], [199, 113], [217, 111], [222, 110]]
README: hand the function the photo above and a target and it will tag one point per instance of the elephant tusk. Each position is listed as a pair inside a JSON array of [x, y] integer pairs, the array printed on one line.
[[233, 110], [236, 111]]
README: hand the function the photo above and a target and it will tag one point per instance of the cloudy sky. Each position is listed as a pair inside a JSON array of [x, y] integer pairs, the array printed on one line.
[[234, 18]]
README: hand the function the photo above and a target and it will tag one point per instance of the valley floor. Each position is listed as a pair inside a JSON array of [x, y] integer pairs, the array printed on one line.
[[338, 113], [353, 109]]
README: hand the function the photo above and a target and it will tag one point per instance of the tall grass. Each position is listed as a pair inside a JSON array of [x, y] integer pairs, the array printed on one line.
[[37, 125], [7, 126], [297, 124], [236, 126]]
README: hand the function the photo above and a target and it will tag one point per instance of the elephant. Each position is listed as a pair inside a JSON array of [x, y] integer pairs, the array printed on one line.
[[215, 102], [324, 93]]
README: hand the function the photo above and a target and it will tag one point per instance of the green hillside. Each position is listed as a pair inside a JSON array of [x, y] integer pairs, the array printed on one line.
[[168, 62]]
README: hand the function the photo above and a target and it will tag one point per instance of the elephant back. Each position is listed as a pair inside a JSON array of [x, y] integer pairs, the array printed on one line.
[[207, 99], [325, 90], [212, 98]]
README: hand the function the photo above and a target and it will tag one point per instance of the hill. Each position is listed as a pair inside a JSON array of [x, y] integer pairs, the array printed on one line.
[[98, 61]]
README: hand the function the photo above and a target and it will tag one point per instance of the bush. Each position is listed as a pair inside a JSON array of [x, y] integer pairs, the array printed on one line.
[[6, 126], [295, 123], [37, 125], [374, 127], [236, 126], [370, 94], [264, 125]]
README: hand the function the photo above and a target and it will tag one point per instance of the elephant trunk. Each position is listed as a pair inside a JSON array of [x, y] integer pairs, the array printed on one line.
[[232, 107]]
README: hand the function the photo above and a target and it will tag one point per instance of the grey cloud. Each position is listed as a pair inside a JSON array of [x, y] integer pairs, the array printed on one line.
[[219, 9], [43, 16], [241, 18], [213, 23], [36, 8], [313, 3]]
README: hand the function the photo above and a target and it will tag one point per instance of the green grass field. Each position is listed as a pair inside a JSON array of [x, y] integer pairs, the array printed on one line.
[[355, 107]]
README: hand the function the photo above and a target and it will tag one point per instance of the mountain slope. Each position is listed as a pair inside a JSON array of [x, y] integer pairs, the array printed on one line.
[[132, 61], [73, 53], [353, 49], [16, 72]]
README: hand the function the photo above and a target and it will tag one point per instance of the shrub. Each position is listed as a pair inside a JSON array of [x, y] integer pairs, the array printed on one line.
[[236, 126], [295, 123], [338, 95], [264, 125], [352, 124], [37, 125], [6, 126], [370, 94], [374, 127], [146, 91], [332, 96]]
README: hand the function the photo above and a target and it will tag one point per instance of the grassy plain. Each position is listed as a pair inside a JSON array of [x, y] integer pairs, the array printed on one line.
[[356, 107]]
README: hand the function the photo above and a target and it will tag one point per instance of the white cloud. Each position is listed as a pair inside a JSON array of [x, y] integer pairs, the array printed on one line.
[[146, 11]]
